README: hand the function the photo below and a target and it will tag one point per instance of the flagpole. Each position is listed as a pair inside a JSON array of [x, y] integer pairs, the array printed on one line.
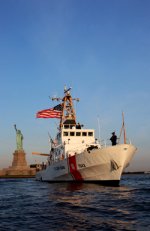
[[99, 136], [124, 130]]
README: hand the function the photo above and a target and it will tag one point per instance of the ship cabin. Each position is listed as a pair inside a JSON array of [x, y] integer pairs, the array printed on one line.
[[75, 139]]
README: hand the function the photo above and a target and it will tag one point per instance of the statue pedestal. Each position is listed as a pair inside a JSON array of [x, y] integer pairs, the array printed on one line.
[[19, 160], [19, 167]]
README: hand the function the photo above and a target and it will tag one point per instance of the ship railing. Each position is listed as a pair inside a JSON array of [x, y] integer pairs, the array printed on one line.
[[128, 141], [107, 142], [74, 152]]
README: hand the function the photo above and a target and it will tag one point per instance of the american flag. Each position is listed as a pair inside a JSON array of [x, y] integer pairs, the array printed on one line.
[[54, 112]]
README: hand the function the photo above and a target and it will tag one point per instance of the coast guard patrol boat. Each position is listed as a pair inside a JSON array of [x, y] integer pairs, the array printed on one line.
[[76, 156]]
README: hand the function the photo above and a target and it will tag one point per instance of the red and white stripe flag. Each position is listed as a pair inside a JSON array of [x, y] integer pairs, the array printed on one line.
[[55, 112]]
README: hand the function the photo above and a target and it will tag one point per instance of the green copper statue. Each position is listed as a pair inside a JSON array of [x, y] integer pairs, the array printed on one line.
[[19, 139]]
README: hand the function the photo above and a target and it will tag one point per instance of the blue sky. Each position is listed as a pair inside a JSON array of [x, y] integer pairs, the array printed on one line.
[[100, 48]]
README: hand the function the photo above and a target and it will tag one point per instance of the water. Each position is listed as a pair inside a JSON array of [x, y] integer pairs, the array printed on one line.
[[26, 204]]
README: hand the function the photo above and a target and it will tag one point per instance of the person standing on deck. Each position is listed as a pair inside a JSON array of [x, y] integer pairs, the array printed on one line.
[[113, 139]]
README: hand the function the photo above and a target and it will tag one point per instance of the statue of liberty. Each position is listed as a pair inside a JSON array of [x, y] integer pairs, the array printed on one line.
[[19, 138]]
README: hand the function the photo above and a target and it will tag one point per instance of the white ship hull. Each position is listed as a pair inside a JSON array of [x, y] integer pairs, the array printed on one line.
[[104, 166], [76, 155]]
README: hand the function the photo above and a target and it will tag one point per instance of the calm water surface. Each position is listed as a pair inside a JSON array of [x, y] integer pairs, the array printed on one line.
[[26, 204]]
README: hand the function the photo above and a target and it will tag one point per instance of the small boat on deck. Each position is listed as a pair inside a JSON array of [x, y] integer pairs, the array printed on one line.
[[76, 156]]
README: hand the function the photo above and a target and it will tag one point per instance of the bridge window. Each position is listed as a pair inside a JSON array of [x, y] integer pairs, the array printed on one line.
[[90, 133], [65, 133], [71, 133], [84, 134], [78, 133], [66, 126]]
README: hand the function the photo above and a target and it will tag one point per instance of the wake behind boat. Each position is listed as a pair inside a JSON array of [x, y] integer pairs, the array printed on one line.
[[76, 156]]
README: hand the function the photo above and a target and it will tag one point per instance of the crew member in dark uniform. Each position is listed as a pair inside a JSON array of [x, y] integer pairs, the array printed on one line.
[[113, 139], [78, 126]]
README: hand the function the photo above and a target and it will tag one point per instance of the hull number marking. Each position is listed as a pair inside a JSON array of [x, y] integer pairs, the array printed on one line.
[[81, 165]]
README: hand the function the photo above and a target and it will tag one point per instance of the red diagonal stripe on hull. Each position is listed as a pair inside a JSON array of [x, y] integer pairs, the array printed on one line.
[[73, 168]]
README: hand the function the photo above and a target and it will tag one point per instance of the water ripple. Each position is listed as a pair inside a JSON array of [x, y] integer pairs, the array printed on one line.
[[26, 204]]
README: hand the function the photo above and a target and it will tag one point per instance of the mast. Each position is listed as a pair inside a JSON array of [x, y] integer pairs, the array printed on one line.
[[68, 113], [123, 129]]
